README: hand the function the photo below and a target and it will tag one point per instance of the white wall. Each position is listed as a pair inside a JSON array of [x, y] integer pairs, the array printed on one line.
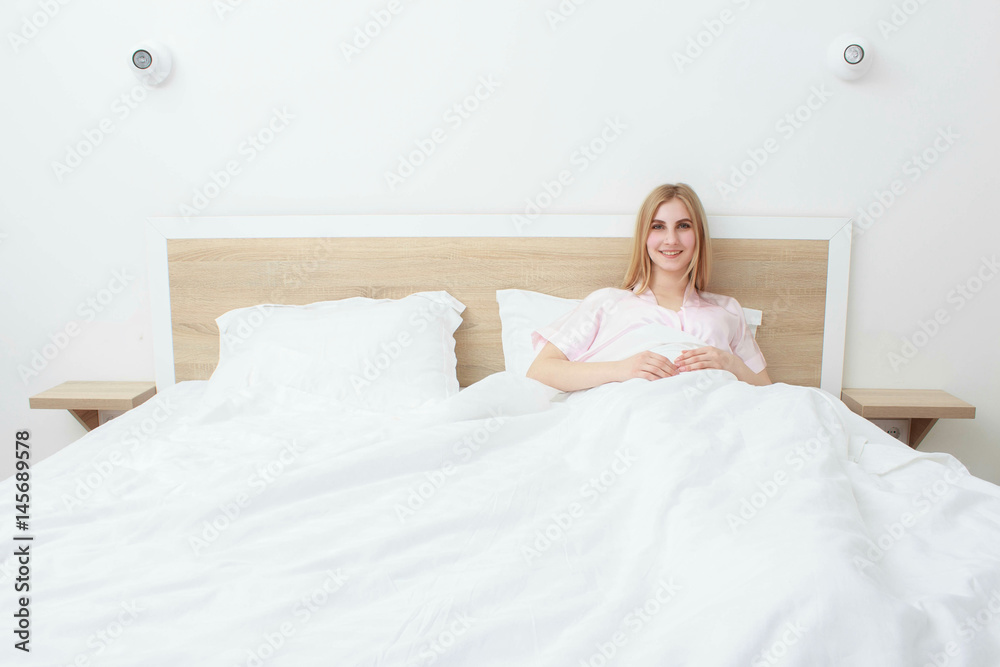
[[61, 240]]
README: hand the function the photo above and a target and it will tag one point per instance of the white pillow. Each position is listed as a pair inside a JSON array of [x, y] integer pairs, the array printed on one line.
[[379, 354], [524, 311]]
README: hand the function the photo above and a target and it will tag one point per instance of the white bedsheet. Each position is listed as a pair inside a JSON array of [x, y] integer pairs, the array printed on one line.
[[694, 520]]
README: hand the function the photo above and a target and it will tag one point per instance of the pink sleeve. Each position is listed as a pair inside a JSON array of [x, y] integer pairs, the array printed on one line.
[[574, 332], [743, 344]]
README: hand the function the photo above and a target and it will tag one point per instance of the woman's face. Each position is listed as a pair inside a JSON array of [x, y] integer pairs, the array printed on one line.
[[671, 241]]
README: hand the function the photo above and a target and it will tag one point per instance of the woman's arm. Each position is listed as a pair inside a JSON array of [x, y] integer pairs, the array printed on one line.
[[760, 379], [551, 367]]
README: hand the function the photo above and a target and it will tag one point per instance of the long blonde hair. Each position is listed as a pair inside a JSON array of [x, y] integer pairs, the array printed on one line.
[[640, 269]]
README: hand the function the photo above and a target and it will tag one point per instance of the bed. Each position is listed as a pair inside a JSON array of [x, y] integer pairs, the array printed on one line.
[[283, 513]]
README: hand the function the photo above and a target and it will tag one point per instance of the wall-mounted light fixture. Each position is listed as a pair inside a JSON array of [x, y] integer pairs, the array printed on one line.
[[151, 63], [850, 56]]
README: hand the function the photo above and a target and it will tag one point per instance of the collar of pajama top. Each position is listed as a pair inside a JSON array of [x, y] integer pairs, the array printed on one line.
[[691, 298], [608, 314]]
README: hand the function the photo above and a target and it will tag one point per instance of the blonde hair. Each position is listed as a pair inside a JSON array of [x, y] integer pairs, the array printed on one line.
[[640, 266]]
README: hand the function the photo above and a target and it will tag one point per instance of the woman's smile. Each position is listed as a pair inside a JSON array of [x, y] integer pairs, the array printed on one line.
[[671, 237]]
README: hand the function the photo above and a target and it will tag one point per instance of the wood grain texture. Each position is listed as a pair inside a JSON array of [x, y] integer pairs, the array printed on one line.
[[906, 404], [95, 395], [89, 419], [786, 279], [919, 428]]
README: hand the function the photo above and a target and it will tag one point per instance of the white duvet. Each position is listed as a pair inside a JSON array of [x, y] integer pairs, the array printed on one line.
[[694, 520]]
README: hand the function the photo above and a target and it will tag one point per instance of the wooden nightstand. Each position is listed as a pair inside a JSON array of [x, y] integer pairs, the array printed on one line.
[[86, 400], [923, 407]]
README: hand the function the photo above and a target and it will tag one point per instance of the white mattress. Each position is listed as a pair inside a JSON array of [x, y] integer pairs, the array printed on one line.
[[694, 520]]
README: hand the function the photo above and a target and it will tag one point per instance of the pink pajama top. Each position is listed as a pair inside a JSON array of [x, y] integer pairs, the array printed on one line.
[[599, 327]]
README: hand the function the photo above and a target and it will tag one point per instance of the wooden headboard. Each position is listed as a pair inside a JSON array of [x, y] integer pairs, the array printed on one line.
[[795, 270]]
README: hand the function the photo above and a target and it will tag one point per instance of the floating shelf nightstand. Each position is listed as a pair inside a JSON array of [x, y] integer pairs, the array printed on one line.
[[923, 407], [86, 400]]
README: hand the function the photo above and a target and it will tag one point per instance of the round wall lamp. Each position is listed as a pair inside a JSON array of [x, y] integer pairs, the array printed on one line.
[[150, 62], [850, 56]]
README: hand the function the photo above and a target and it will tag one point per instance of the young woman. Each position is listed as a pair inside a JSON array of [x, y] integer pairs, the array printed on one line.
[[670, 266]]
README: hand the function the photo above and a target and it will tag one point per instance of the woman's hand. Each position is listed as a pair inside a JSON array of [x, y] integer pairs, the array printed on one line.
[[713, 357], [708, 357], [647, 365]]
